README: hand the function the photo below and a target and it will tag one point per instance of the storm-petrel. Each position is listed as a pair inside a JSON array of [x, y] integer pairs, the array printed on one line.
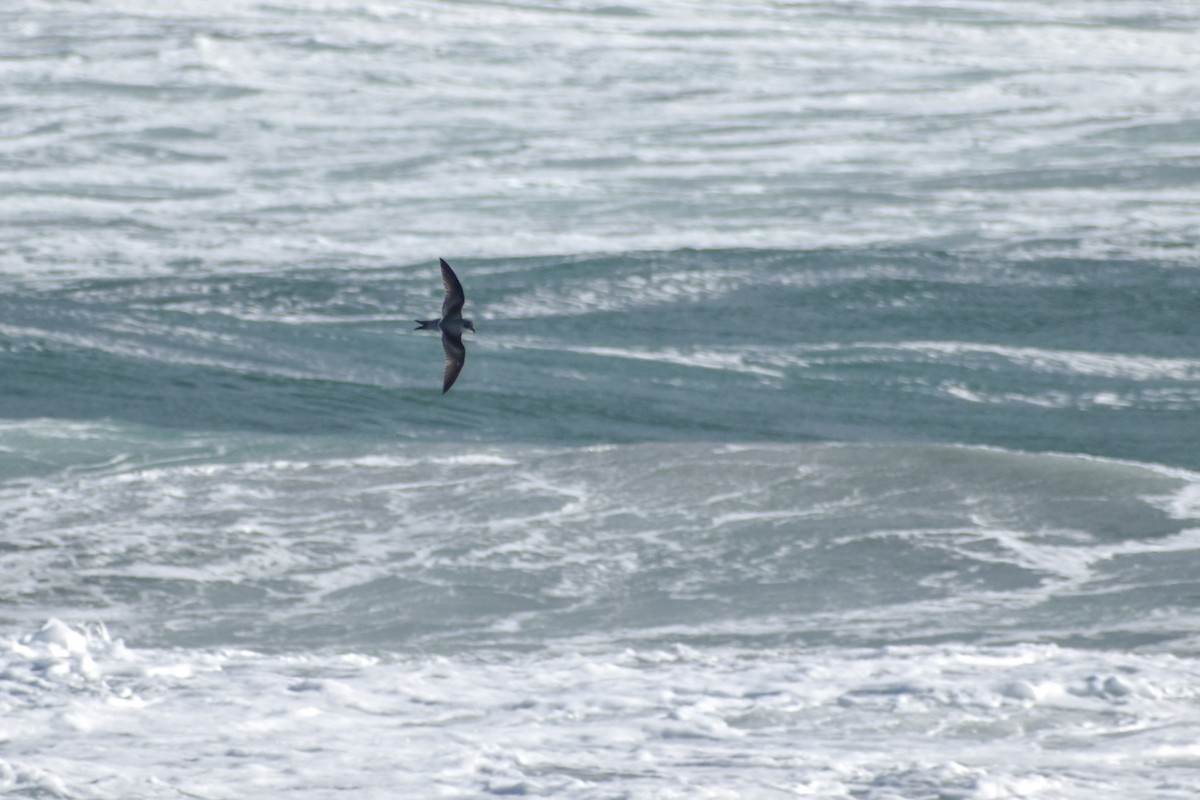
[[452, 324]]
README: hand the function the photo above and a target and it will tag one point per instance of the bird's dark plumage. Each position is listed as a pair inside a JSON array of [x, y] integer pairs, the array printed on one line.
[[452, 305], [456, 356], [452, 324]]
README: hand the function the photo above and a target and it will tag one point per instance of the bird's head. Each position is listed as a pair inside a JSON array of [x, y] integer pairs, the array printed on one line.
[[468, 325]]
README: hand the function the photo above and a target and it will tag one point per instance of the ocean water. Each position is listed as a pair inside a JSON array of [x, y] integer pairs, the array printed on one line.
[[832, 428]]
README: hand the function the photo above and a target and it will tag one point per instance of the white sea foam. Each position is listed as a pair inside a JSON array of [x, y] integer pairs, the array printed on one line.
[[987, 373], [1103, 365], [627, 293], [582, 721], [646, 620], [234, 140], [673, 527], [1184, 504], [734, 361], [387, 613]]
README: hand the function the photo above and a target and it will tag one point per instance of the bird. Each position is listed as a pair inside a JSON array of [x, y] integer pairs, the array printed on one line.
[[452, 324]]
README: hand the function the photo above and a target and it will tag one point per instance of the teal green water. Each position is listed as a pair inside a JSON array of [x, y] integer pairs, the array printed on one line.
[[1074, 356], [831, 429]]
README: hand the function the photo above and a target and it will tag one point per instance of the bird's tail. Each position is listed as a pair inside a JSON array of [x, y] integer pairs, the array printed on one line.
[[426, 324]]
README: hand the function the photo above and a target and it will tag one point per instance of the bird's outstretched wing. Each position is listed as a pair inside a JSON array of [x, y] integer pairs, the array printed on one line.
[[456, 356], [452, 305]]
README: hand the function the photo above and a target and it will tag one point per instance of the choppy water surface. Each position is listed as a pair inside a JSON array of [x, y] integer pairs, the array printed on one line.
[[142, 136], [831, 428]]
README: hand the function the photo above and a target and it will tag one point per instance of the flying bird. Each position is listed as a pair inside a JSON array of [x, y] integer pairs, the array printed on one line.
[[452, 324]]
